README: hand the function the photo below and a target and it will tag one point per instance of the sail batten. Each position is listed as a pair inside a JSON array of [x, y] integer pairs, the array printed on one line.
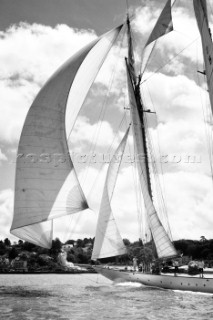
[[108, 242], [44, 169]]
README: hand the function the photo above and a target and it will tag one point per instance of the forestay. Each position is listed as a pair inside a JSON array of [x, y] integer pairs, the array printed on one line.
[[46, 184]]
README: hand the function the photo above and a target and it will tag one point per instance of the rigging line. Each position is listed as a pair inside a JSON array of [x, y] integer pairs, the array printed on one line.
[[108, 152], [137, 194], [152, 49], [103, 110], [210, 6], [208, 115], [141, 214], [173, 3], [135, 184], [207, 124], [75, 224], [149, 56], [127, 5], [170, 60], [157, 185], [162, 190]]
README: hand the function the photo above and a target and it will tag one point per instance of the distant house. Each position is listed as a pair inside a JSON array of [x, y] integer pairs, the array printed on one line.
[[4, 264], [45, 257], [88, 247], [19, 265], [67, 247], [186, 259]]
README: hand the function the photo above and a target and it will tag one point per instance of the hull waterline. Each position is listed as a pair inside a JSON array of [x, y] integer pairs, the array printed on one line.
[[172, 282]]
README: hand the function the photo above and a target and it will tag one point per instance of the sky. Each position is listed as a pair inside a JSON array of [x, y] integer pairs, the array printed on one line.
[[37, 36]]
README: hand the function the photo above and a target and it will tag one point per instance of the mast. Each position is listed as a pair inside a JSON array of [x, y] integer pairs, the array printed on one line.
[[164, 246], [141, 112], [140, 108]]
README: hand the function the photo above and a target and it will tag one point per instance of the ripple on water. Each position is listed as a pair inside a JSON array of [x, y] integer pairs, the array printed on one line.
[[57, 297]]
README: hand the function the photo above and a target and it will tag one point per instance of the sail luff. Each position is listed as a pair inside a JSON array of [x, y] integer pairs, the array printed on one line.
[[46, 184], [162, 241], [108, 241], [200, 9]]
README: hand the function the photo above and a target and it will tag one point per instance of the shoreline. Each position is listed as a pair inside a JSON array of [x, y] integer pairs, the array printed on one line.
[[50, 272]]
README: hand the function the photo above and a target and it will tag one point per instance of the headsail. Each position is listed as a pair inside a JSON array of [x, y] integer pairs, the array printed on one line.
[[205, 32], [46, 184], [108, 242]]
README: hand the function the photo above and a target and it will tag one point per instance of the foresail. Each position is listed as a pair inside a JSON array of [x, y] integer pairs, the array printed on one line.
[[163, 26], [46, 184], [162, 241], [202, 21], [108, 242]]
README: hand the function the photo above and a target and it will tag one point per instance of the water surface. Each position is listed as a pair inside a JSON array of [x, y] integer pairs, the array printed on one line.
[[91, 296]]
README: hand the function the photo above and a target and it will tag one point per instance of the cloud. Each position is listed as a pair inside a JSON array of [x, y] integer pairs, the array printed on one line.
[[189, 204], [6, 209], [31, 53], [99, 134], [2, 156]]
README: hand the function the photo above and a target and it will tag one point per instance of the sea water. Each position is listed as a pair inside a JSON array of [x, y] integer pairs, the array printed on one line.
[[93, 297]]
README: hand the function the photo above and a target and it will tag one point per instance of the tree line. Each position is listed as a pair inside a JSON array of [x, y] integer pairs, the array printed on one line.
[[80, 251]]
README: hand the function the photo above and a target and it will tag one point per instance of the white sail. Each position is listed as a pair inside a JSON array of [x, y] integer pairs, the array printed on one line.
[[202, 21], [46, 184], [163, 26], [162, 241], [108, 242]]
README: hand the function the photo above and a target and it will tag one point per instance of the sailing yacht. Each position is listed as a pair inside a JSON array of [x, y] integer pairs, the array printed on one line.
[[45, 192]]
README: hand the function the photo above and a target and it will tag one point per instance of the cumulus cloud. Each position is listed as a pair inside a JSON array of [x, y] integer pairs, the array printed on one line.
[[6, 209], [31, 53], [101, 134], [189, 204], [2, 156]]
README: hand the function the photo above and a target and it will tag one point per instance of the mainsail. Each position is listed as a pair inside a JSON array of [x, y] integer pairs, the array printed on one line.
[[108, 242], [46, 185], [162, 241]]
